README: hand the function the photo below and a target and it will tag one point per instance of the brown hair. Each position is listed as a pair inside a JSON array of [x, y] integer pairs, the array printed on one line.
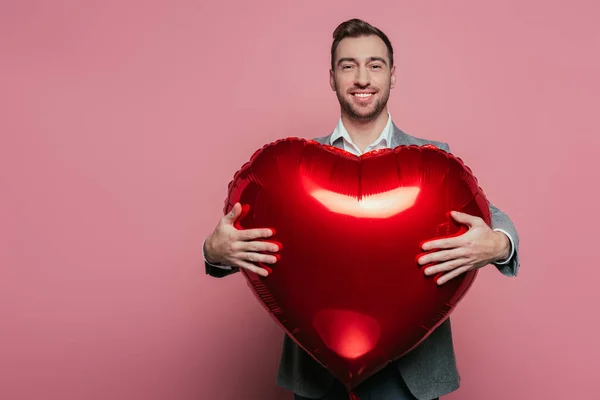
[[356, 28]]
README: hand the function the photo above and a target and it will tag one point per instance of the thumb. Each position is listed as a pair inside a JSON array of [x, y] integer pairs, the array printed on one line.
[[232, 215], [463, 218]]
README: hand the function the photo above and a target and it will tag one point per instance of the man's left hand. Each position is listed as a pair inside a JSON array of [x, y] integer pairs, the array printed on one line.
[[477, 247]]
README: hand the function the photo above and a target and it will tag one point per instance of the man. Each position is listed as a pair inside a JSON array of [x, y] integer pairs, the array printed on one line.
[[362, 75]]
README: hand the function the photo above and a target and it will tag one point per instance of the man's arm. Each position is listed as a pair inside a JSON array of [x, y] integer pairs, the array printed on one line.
[[500, 222]]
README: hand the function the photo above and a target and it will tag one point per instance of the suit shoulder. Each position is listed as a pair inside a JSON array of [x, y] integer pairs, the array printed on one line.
[[322, 139], [422, 141]]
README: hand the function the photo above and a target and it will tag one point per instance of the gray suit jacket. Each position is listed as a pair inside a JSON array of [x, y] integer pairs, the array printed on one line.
[[430, 369]]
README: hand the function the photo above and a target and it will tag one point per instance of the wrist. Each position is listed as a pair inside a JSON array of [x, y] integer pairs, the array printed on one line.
[[209, 251], [502, 246]]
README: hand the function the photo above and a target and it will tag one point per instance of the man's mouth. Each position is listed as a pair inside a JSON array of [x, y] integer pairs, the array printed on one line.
[[363, 95]]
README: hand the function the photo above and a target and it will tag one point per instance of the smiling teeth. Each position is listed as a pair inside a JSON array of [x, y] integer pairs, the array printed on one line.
[[363, 94]]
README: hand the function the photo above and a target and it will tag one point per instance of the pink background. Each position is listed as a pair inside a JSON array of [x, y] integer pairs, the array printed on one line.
[[122, 123]]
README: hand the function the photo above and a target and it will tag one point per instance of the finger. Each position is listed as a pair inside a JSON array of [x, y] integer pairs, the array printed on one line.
[[466, 219], [251, 234], [232, 215], [439, 256], [251, 267], [447, 243], [259, 257], [452, 274], [259, 246], [445, 266], [238, 221]]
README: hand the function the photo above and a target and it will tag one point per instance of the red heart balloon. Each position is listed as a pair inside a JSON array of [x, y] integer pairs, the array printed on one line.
[[348, 288]]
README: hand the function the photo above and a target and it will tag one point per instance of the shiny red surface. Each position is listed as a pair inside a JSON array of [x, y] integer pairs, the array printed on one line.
[[347, 287]]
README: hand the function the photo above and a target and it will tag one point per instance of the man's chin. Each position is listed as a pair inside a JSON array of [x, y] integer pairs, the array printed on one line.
[[365, 115], [362, 113]]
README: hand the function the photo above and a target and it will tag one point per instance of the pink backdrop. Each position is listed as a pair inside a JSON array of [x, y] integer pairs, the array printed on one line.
[[122, 123]]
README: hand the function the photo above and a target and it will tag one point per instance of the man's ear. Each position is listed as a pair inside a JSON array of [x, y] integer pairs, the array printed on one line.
[[331, 80], [393, 77]]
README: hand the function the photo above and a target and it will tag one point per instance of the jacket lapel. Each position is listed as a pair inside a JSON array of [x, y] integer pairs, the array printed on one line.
[[399, 138]]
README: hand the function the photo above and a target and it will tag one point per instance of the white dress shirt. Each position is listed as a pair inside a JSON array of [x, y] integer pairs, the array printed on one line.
[[383, 141]]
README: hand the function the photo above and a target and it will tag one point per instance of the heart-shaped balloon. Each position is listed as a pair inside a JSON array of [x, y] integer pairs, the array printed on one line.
[[348, 288]]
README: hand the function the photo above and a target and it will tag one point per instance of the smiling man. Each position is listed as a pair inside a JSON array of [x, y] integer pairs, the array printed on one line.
[[362, 76]]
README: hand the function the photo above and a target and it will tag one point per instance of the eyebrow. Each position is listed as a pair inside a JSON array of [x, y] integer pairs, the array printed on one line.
[[343, 59]]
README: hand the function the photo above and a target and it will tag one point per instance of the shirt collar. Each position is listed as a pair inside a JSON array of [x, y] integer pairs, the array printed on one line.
[[385, 137]]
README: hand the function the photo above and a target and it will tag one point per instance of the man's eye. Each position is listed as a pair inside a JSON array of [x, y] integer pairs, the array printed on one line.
[[377, 66]]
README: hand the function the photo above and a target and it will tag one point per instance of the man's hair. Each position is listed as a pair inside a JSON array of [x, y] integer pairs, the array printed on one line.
[[356, 28]]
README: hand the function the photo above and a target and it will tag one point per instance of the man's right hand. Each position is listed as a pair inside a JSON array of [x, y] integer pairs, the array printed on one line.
[[229, 246]]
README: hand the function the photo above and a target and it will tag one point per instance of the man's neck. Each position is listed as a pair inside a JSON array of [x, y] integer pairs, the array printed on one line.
[[363, 133]]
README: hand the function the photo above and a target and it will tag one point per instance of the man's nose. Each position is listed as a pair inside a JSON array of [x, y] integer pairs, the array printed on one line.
[[362, 77]]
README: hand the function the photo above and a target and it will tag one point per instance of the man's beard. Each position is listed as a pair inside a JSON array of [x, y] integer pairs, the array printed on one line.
[[354, 111]]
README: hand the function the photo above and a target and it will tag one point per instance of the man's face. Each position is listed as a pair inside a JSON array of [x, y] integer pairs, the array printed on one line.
[[362, 77]]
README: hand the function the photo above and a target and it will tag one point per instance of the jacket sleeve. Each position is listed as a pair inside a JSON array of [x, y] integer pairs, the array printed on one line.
[[501, 222], [217, 271]]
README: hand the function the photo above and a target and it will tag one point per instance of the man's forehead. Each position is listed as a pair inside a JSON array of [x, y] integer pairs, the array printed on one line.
[[362, 48]]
